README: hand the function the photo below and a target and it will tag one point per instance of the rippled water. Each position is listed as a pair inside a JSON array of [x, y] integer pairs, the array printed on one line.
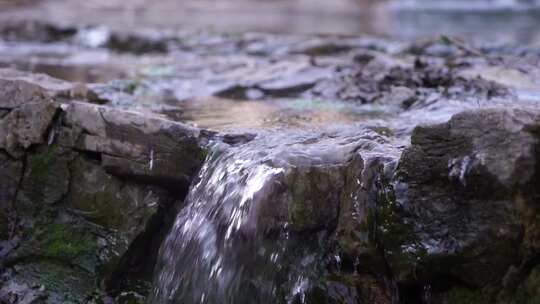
[[226, 114]]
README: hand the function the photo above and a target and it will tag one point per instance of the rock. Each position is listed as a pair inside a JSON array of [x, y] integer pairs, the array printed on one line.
[[89, 187], [10, 176], [26, 125], [463, 192], [280, 195], [32, 30], [39, 187], [317, 180], [115, 205], [14, 93], [287, 78], [132, 145], [137, 43], [13, 293], [21, 86], [399, 96], [530, 287]]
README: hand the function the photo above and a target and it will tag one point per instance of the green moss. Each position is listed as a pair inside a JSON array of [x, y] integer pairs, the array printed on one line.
[[203, 154], [62, 241], [392, 232], [465, 296], [40, 162], [40, 166], [46, 179]]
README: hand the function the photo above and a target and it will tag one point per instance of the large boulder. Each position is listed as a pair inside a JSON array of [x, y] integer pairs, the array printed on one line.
[[456, 221], [466, 195], [83, 190]]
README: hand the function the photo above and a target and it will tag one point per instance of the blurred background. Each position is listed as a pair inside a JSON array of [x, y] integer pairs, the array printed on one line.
[[515, 22]]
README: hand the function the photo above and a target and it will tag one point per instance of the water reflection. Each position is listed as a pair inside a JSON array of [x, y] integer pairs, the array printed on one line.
[[225, 114]]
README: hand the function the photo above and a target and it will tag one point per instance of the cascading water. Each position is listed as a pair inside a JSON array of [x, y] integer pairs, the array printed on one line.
[[233, 242], [215, 252]]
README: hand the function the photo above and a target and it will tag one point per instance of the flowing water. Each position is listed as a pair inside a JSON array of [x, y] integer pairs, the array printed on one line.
[[232, 241]]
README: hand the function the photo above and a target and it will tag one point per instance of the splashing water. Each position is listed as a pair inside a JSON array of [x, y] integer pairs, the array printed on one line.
[[234, 241], [215, 253]]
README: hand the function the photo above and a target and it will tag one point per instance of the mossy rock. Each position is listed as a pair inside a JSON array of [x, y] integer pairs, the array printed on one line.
[[64, 241], [402, 247], [10, 175], [46, 178], [315, 196], [119, 207], [56, 235]]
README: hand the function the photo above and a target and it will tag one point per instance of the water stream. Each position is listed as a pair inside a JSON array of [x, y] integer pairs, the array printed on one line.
[[232, 241]]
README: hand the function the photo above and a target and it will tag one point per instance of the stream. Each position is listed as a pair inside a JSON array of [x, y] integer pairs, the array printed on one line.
[[306, 135]]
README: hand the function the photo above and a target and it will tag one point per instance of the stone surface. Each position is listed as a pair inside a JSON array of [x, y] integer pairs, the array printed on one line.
[[10, 176], [132, 145], [466, 189], [80, 186]]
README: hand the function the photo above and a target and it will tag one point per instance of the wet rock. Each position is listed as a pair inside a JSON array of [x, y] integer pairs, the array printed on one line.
[[123, 208], [457, 221], [320, 181], [105, 200], [362, 226], [529, 290], [282, 197], [465, 207], [287, 78]]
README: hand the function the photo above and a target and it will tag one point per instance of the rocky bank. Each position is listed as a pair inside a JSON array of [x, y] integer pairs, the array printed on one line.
[[422, 186]]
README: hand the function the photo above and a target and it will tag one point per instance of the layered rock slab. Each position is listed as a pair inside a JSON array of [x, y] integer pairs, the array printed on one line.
[[81, 183]]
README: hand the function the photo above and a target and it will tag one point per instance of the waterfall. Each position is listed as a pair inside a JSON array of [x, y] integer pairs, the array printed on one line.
[[215, 252], [234, 241]]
